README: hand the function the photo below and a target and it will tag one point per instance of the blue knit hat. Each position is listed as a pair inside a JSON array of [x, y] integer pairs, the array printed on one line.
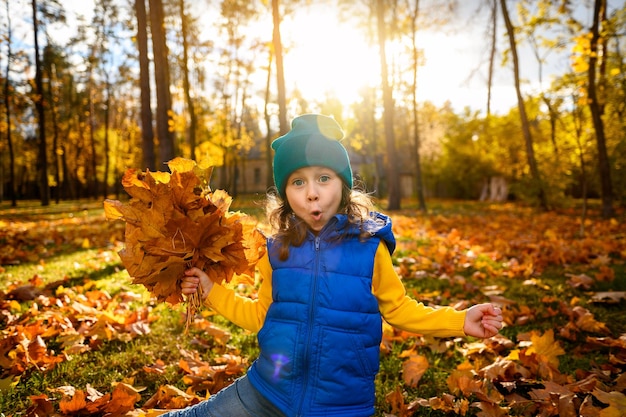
[[312, 141]]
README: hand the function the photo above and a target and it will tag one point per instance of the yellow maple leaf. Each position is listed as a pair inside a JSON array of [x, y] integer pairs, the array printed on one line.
[[179, 164], [545, 347]]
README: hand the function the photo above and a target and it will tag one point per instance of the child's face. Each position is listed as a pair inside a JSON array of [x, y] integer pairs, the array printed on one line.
[[314, 194]]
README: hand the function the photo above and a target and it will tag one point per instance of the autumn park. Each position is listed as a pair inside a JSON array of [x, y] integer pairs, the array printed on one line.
[[136, 143]]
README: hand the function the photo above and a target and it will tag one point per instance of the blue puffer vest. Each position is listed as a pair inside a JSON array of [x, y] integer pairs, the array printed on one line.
[[320, 340]]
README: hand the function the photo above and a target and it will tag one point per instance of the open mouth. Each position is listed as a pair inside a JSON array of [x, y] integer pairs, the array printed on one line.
[[316, 215]]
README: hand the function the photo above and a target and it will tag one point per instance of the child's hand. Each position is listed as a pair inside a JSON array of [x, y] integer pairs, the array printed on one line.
[[195, 277], [483, 320]]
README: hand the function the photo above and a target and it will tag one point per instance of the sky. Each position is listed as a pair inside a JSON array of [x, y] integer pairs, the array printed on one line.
[[341, 59], [328, 55]]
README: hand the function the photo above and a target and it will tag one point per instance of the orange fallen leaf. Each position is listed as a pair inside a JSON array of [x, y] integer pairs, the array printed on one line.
[[461, 380], [123, 399], [491, 410], [41, 406], [605, 274], [413, 369], [73, 404], [585, 320]]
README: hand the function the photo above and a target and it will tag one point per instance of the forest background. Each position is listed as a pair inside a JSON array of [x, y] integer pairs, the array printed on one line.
[[142, 82]]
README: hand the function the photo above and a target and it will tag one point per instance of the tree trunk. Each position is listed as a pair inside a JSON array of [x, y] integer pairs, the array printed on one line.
[[280, 75], [269, 178], [193, 120], [107, 162], [577, 117], [596, 108], [42, 156], [52, 81], [530, 153], [147, 133], [416, 136], [93, 190], [7, 109], [492, 53], [393, 179], [162, 81]]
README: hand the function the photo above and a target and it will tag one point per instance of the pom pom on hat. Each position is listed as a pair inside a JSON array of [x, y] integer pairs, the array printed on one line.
[[312, 141]]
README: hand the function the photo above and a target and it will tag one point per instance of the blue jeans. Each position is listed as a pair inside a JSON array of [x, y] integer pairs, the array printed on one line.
[[239, 399]]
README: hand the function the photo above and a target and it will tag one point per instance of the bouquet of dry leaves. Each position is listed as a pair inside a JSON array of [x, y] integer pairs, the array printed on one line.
[[173, 222]]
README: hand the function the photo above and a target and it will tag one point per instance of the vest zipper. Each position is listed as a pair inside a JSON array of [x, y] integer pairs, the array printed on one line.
[[310, 325]]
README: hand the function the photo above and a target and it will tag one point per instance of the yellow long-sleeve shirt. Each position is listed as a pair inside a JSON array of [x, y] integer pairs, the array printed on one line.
[[396, 307]]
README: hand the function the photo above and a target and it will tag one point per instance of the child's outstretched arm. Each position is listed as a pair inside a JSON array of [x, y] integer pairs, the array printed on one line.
[[483, 320], [242, 311]]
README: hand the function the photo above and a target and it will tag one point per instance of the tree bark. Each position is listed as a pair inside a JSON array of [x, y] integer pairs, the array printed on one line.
[[51, 93], [269, 177], [147, 133], [107, 158], [393, 180], [162, 82], [92, 137], [492, 53], [193, 119], [42, 156], [280, 74], [7, 109], [416, 134], [596, 108], [530, 153]]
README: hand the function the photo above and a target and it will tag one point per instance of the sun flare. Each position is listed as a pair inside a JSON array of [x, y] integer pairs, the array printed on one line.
[[326, 56]]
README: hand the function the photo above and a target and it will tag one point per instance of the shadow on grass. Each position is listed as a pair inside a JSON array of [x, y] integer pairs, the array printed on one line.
[[81, 277]]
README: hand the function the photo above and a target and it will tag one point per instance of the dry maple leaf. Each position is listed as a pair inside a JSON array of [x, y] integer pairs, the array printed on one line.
[[545, 347], [491, 410], [462, 380], [585, 320], [41, 405], [170, 397], [173, 222], [123, 400], [72, 404], [413, 369], [615, 400], [396, 400]]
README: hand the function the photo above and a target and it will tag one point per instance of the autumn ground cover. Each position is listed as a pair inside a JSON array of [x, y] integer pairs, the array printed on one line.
[[79, 339]]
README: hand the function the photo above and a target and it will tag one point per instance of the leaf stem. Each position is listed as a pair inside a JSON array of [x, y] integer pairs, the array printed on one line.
[[193, 305]]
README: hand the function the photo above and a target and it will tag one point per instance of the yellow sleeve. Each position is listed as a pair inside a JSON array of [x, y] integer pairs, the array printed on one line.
[[405, 313], [243, 311]]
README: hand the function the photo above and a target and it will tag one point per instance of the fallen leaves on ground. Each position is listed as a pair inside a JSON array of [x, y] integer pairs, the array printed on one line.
[[521, 376], [44, 325], [74, 320]]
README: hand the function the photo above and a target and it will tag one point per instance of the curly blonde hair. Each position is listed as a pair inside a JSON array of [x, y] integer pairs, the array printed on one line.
[[290, 230]]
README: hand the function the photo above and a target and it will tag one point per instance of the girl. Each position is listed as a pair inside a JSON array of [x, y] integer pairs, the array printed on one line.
[[328, 280]]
